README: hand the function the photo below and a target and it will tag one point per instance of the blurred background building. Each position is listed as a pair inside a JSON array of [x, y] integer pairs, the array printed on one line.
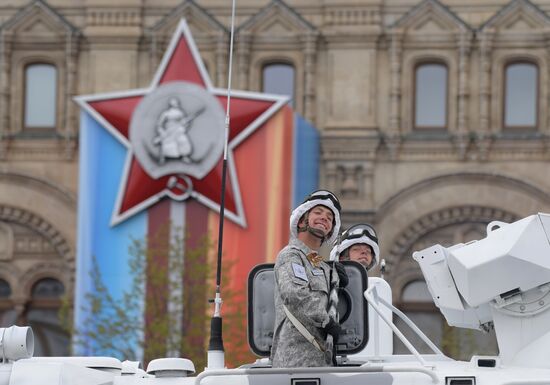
[[433, 115]]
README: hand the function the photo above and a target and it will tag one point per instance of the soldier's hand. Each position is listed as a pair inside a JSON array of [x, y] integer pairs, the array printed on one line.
[[333, 328], [342, 275]]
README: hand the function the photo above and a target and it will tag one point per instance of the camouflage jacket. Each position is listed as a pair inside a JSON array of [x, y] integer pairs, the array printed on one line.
[[304, 290]]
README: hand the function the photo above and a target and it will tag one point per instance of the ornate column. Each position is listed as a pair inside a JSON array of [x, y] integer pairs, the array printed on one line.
[[464, 48], [310, 56], [243, 59], [221, 60], [331, 176], [70, 131], [396, 49], [153, 59], [484, 130], [351, 181], [5, 68], [546, 132]]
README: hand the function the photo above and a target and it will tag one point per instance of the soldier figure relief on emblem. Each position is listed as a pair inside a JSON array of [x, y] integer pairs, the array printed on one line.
[[178, 129], [172, 130]]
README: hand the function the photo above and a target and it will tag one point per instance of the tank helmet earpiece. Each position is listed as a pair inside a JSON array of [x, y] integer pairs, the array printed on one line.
[[359, 233], [316, 198]]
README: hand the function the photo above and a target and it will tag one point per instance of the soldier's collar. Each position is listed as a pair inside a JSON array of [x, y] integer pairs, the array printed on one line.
[[295, 243], [311, 255]]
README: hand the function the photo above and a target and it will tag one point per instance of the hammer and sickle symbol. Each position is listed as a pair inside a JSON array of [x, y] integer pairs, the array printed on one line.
[[179, 187]]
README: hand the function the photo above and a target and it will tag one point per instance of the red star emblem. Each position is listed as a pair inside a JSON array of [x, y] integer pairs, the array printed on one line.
[[139, 190]]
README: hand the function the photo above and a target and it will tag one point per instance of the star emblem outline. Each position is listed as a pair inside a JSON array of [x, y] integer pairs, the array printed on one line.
[[182, 32]]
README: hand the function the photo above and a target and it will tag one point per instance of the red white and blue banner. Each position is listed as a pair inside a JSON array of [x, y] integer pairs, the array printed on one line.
[[154, 156]]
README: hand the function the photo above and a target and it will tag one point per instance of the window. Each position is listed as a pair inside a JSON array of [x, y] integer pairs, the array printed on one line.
[[430, 102], [5, 290], [43, 315], [278, 78], [416, 291], [520, 95], [7, 313], [47, 288], [40, 96], [417, 303]]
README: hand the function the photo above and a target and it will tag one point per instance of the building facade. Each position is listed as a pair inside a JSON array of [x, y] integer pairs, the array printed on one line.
[[434, 118]]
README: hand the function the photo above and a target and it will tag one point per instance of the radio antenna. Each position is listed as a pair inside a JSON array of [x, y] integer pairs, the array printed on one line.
[[216, 355]]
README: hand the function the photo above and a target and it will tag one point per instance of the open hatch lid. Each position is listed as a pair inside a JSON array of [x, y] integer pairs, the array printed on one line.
[[352, 308]]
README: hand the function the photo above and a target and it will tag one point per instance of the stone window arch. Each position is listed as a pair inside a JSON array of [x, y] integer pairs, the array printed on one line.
[[40, 98], [279, 77], [431, 95], [40, 269], [47, 289], [37, 33], [521, 94]]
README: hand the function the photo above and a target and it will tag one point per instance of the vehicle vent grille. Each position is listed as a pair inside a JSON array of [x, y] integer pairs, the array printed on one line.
[[460, 380], [305, 381]]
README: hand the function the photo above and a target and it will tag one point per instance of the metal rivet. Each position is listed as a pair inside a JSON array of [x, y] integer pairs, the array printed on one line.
[[522, 307], [541, 302]]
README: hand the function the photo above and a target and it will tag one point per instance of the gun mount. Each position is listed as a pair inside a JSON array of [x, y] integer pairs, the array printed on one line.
[[501, 280]]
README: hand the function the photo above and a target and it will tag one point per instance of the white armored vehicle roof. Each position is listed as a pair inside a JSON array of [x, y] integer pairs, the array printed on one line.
[[501, 281]]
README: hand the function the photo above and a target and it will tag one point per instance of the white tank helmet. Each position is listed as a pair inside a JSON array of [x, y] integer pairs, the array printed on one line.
[[316, 198], [359, 233]]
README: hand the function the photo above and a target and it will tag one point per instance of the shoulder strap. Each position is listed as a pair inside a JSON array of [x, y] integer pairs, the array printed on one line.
[[302, 329]]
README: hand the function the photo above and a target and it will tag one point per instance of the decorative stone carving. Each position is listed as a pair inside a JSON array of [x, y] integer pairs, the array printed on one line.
[[518, 17], [32, 244], [38, 224], [310, 53], [393, 143], [37, 33], [279, 33], [350, 181], [221, 60], [113, 17], [455, 215], [483, 145], [243, 58], [482, 135], [71, 86], [464, 46], [6, 242], [344, 16], [5, 68], [209, 34], [396, 48]]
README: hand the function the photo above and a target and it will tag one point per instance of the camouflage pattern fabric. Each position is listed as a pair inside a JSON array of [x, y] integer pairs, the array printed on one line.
[[304, 290], [332, 313]]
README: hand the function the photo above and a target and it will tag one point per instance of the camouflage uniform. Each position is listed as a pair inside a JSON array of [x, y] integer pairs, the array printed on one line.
[[304, 290]]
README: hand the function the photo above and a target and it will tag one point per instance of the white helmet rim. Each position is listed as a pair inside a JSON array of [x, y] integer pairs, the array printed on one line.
[[299, 211], [347, 243]]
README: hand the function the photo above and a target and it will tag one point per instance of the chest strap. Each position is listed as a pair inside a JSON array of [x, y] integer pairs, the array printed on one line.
[[302, 329]]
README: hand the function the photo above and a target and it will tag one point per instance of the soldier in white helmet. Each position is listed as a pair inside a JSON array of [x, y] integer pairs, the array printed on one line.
[[358, 243], [303, 285]]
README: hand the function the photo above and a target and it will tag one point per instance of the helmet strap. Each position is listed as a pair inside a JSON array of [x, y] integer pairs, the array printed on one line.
[[315, 232]]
